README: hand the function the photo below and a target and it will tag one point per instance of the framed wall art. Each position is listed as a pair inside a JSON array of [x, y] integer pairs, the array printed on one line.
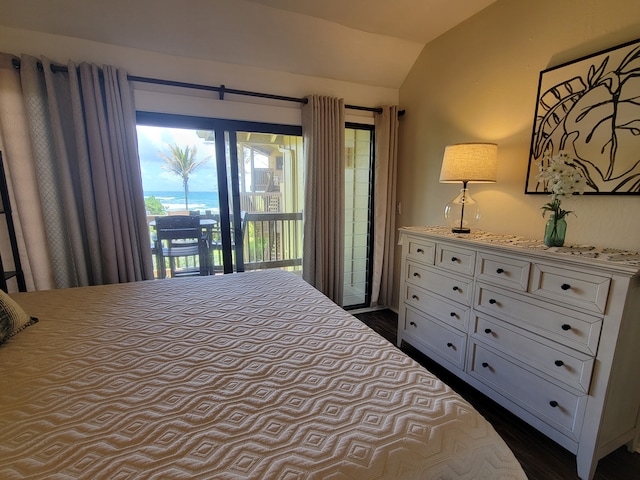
[[590, 108]]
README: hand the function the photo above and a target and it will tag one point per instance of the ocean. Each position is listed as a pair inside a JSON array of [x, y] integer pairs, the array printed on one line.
[[197, 200]]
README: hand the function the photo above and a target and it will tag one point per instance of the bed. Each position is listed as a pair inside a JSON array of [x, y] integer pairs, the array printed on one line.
[[250, 375]]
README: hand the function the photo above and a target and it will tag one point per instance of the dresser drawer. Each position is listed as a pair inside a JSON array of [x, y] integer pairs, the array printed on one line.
[[559, 408], [446, 342], [510, 272], [421, 250], [455, 259], [454, 288], [451, 313], [568, 366], [570, 287], [567, 327]]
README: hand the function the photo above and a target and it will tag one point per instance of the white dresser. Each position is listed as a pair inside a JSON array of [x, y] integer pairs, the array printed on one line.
[[552, 334]]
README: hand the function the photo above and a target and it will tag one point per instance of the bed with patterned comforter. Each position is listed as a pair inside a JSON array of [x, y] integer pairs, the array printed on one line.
[[252, 375]]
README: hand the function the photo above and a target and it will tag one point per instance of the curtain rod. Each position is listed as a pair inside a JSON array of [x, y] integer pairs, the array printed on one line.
[[222, 90]]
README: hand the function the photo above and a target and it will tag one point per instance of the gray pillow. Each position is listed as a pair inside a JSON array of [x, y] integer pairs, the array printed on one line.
[[13, 318]]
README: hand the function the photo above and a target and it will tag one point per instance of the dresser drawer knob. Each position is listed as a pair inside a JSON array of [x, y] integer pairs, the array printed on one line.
[[565, 286], [487, 331], [452, 314], [413, 324], [454, 259], [415, 297], [485, 365], [416, 274], [493, 301], [450, 345], [553, 403], [566, 327], [559, 363], [420, 250], [455, 289], [500, 270]]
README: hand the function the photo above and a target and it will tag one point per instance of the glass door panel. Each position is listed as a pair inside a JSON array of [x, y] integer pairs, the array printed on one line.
[[179, 177], [270, 197], [358, 211]]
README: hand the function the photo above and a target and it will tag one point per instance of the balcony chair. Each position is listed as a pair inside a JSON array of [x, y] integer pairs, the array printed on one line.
[[181, 236]]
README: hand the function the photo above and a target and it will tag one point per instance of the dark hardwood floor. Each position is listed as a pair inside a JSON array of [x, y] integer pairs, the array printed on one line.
[[540, 457]]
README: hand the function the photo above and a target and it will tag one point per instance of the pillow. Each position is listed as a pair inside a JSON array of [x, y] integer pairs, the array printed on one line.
[[13, 318]]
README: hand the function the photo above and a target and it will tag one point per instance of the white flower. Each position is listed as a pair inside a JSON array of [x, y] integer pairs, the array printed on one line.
[[561, 175]]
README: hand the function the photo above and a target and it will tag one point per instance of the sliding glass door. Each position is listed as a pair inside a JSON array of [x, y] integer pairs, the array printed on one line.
[[247, 176]]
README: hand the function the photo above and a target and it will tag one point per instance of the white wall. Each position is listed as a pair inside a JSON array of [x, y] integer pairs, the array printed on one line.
[[478, 82], [150, 64]]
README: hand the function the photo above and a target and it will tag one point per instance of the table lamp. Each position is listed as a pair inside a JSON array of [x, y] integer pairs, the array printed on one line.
[[467, 162]]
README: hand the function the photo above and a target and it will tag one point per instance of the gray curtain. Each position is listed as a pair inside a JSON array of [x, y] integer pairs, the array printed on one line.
[[384, 244], [81, 126], [323, 127], [15, 143]]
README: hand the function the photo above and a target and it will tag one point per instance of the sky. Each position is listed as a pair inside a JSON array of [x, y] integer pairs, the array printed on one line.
[[152, 140]]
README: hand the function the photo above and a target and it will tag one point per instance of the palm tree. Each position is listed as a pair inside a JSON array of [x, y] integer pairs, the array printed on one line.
[[182, 163]]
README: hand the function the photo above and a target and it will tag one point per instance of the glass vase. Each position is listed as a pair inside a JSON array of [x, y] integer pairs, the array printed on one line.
[[555, 231]]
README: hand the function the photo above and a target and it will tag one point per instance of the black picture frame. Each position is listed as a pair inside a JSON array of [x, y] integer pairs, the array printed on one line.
[[590, 108]]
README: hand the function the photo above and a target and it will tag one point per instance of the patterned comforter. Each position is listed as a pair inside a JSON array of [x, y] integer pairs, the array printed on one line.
[[251, 375]]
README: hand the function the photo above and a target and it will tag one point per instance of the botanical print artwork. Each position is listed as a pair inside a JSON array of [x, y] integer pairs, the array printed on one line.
[[590, 109]]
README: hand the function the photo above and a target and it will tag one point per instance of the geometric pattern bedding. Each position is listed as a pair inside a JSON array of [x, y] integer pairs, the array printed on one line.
[[251, 375]]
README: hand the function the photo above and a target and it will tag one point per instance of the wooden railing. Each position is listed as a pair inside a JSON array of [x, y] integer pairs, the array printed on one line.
[[272, 240]]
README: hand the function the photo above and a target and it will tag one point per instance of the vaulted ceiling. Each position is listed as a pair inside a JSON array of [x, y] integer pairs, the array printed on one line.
[[372, 42]]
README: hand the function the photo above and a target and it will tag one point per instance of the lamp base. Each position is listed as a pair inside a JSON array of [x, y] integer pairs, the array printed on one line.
[[462, 213]]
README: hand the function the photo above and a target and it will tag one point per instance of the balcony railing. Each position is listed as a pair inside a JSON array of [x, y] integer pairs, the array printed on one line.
[[272, 240]]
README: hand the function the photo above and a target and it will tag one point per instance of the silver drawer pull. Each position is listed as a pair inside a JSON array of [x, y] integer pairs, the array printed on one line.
[[493, 301], [415, 297], [420, 250], [559, 363], [566, 327], [413, 324], [565, 286], [500, 270], [487, 331], [553, 403], [454, 259], [416, 274]]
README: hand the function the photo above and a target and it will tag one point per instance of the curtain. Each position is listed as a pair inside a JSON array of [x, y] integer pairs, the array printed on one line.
[[386, 151], [323, 127], [74, 162]]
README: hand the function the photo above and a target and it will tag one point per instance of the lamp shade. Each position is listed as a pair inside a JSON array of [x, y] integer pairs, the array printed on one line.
[[470, 162]]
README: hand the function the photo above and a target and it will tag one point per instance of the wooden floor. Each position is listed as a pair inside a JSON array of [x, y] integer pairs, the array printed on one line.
[[541, 458]]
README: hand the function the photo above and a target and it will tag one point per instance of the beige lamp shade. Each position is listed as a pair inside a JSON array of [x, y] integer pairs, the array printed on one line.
[[470, 162]]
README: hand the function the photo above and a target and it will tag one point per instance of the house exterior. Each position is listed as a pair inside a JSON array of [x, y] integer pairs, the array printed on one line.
[[476, 82]]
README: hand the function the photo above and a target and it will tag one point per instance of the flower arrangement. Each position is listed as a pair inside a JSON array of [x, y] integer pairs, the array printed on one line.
[[562, 178]]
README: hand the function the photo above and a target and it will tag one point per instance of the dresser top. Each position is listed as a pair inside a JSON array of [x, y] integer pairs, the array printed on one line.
[[584, 252]]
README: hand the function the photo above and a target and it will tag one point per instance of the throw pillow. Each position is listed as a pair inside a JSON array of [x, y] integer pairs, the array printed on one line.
[[13, 318]]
